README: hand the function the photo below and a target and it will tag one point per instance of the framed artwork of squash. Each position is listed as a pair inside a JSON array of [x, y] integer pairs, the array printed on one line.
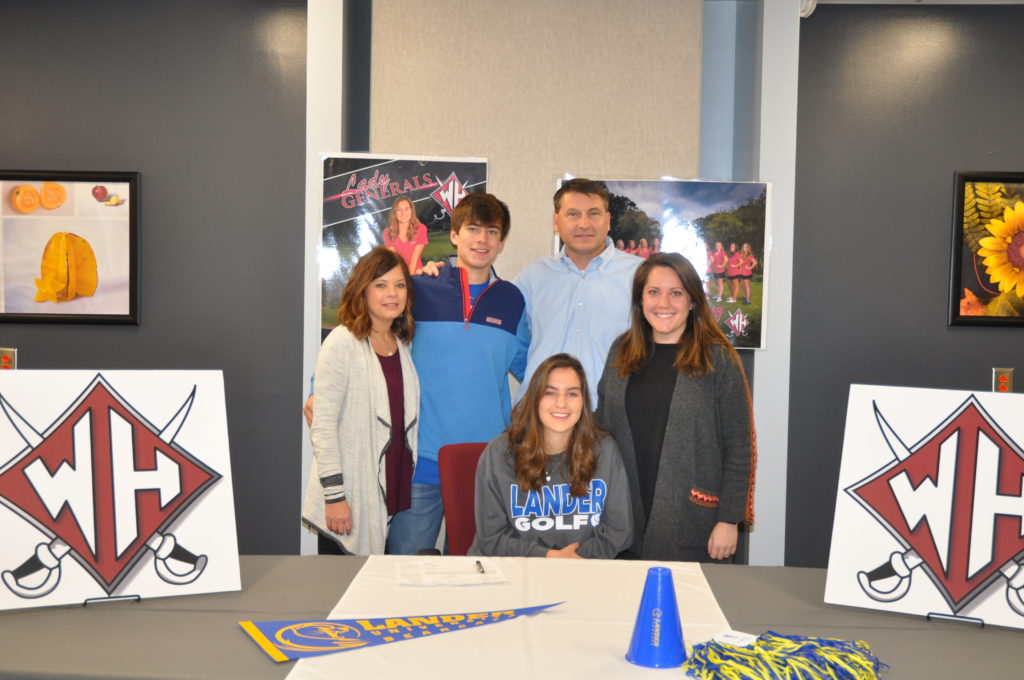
[[69, 247]]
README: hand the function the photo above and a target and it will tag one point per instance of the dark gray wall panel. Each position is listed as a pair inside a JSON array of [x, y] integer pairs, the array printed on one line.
[[207, 101], [892, 101], [355, 133]]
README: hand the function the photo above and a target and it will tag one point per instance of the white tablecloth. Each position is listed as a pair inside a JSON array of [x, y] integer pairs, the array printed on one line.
[[587, 636]]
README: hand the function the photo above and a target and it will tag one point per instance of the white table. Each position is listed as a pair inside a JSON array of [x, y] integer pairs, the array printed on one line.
[[586, 636]]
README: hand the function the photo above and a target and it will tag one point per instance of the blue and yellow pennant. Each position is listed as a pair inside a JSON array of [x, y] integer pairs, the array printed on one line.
[[288, 640]]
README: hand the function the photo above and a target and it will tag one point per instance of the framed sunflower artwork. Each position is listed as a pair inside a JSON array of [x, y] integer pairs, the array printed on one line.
[[987, 261], [69, 247]]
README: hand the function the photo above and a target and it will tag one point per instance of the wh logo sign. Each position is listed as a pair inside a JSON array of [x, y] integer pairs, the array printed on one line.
[[449, 193], [105, 485], [955, 502]]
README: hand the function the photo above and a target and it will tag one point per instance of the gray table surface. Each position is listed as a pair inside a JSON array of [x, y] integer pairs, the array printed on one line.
[[199, 636]]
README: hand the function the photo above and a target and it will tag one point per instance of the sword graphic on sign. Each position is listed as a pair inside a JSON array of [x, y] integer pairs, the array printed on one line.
[[104, 438], [969, 437]]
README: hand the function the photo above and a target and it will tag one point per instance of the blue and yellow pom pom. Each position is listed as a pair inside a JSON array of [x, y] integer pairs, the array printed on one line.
[[785, 657]]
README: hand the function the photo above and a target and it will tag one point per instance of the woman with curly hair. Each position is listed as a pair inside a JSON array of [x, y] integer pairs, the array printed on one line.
[[367, 404], [552, 484], [675, 397]]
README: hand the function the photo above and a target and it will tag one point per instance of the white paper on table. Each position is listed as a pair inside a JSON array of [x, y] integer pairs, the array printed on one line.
[[452, 571], [736, 638]]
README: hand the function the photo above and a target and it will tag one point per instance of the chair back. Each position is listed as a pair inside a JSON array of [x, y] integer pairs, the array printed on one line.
[[456, 465]]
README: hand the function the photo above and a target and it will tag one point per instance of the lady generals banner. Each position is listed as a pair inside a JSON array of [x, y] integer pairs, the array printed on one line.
[[930, 506], [114, 483], [402, 202]]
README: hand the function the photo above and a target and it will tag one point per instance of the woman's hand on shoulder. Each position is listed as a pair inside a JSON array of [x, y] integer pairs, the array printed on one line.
[[568, 551], [723, 540], [339, 517]]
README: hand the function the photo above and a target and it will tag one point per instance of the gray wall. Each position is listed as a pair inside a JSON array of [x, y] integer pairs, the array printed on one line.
[[892, 101], [207, 101]]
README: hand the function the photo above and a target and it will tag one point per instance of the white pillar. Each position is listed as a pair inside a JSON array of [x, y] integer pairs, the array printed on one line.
[[780, 55], [324, 50]]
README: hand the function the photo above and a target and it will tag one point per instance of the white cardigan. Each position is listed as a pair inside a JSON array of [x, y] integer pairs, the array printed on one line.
[[350, 432]]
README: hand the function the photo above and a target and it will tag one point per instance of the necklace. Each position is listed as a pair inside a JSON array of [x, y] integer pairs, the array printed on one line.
[[381, 344], [549, 470]]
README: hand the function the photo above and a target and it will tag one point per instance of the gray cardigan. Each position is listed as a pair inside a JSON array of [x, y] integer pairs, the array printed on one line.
[[351, 430], [707, 459]]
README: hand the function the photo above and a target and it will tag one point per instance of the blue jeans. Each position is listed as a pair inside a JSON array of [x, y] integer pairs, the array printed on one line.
[[416, 528]]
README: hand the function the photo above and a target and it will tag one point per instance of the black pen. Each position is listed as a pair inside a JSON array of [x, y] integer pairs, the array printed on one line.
[[479, 567]]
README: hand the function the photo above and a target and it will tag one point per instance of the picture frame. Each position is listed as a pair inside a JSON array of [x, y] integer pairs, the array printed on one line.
[[987, 249], [69, 247], [718, 226]]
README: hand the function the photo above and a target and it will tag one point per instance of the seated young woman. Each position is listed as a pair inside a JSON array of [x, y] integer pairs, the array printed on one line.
[[553, 483]]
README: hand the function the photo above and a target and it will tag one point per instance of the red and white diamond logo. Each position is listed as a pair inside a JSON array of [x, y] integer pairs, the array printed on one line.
[[954, 499], [449, 193], [105, 485], [737, 323]]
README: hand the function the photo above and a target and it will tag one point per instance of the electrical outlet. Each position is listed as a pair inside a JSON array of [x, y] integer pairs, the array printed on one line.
[[8, 358], [1002, 380]]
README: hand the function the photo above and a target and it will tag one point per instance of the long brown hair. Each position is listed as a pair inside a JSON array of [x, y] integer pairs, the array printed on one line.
[[414, 221], [526, 433], [353, 315], [696, 347]]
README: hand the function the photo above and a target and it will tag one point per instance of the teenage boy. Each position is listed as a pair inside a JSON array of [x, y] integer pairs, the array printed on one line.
[[578, 301], [470, 334]]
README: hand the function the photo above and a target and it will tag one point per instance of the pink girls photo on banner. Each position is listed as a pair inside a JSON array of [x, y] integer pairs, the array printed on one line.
[[401, 202], [720, 227]]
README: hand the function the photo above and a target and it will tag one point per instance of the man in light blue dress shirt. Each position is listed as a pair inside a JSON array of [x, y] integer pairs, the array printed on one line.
[[578, 301]]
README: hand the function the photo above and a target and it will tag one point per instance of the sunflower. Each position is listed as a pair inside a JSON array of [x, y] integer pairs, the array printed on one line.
[[1003, 252]]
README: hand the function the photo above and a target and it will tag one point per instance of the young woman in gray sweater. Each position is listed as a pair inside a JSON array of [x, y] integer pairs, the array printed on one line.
[[552, 484], [674, 396]]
